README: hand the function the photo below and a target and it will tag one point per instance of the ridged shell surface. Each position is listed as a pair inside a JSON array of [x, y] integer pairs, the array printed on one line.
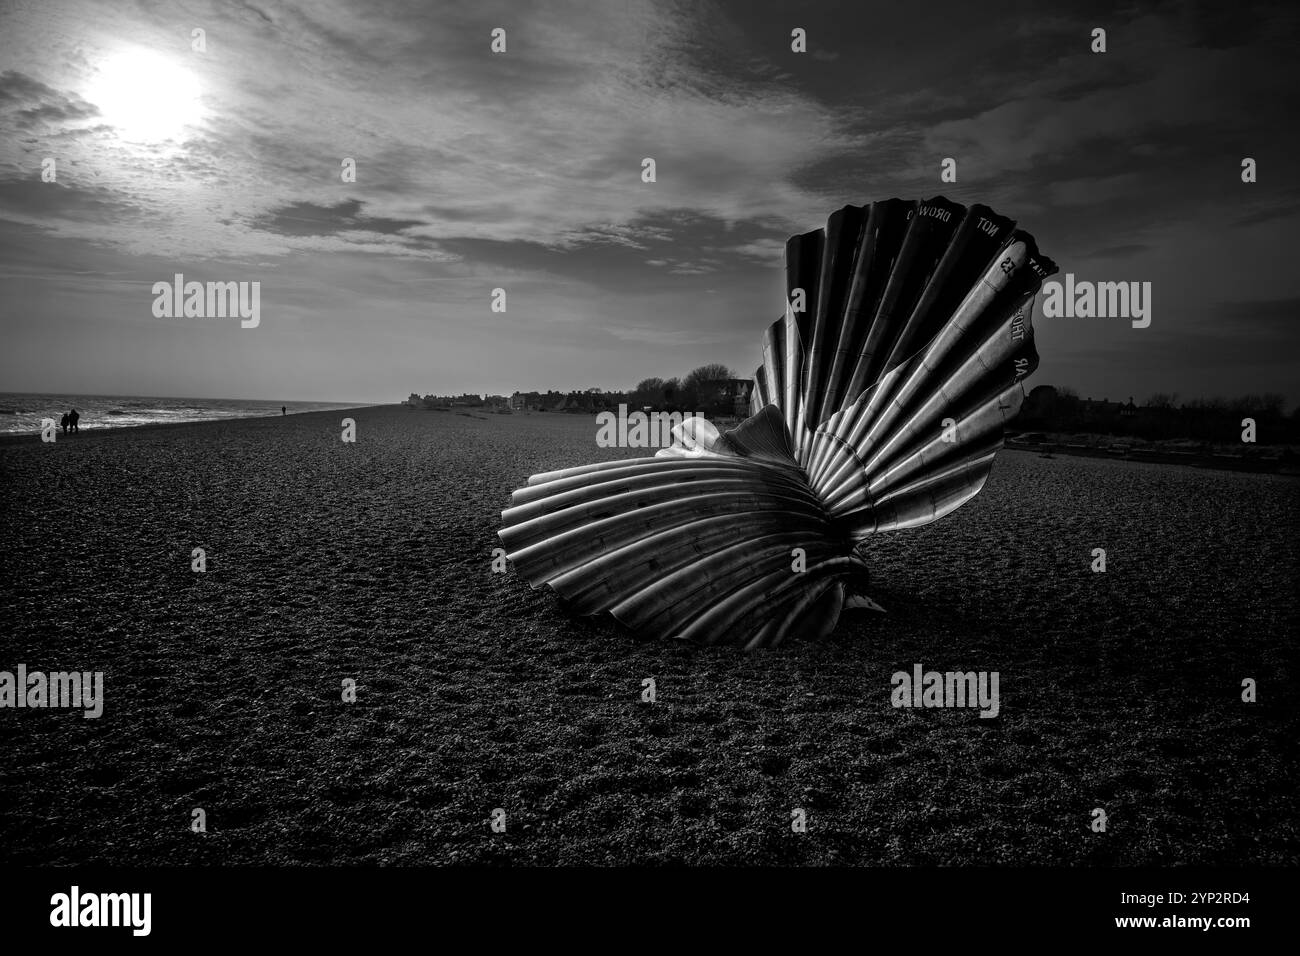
[[880, 403]]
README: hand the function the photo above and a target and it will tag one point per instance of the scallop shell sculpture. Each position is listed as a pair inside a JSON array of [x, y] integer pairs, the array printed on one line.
[[880, 403]]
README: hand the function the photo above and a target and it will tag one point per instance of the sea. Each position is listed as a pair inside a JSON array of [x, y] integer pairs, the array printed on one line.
[[22, 412]]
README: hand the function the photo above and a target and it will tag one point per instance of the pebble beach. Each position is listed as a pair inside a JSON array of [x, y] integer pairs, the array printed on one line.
[[371, 561]]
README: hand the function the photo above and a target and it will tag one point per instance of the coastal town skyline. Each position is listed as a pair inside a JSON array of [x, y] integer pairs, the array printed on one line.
[[1140, 397], [1132, 396]]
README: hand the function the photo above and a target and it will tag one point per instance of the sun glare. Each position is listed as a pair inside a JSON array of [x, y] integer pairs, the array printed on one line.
[[146, 97]]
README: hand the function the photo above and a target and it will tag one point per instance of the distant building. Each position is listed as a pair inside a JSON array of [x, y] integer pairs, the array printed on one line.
[[1049, 410], [742, 391], [1040, 404], [727, 397], [722, 398]]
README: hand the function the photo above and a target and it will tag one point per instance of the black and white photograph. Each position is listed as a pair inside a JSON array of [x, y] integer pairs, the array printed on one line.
[[727, 440]]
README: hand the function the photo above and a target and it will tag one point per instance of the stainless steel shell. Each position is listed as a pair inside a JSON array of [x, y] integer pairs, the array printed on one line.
[[880, 403]]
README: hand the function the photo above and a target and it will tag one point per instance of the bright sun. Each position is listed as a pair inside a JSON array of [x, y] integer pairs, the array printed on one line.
[[145, 97]]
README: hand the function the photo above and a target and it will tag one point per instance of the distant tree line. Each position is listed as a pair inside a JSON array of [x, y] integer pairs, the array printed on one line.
[[697, 392], [709, 390], [1163, 416]]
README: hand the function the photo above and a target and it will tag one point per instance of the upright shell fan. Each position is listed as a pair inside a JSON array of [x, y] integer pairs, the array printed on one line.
[[879, 405]]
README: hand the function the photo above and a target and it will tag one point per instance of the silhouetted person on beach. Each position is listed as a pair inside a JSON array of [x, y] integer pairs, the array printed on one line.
[[73, 418], [284, 410], [64, 422]]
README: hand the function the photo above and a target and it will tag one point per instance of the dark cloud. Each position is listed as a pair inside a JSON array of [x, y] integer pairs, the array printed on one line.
[[50, 202], [636, 258], [311, 219], [1281, 210], [259, 12], [27, 103]]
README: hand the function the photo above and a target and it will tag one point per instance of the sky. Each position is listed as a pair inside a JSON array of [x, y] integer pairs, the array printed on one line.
[[522, 170]]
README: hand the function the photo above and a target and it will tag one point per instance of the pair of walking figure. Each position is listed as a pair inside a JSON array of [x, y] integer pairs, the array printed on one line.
[[70, 420]]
